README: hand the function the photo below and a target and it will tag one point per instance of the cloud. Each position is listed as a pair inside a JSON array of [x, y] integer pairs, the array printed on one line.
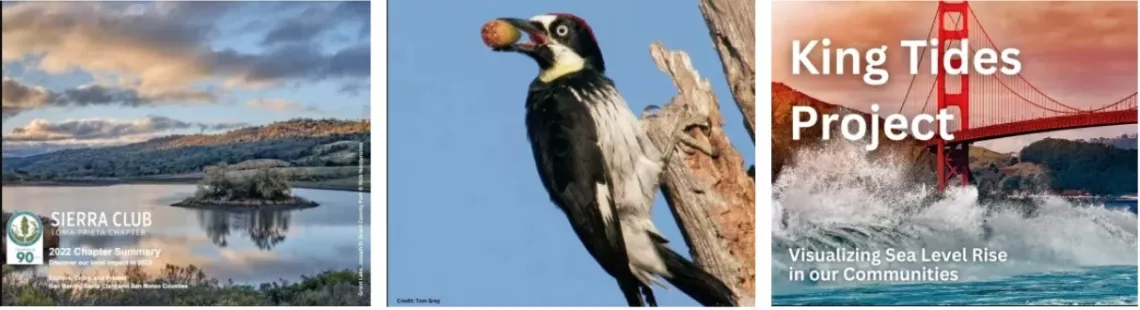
[[160, 51], [18, 97], [157, 51], [280, 105], [293, 62], [315, 21], [358, 10], [298, 31], [354, 88], [195, 12], [93, 130]]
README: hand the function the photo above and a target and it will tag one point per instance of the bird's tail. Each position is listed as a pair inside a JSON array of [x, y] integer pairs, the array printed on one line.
[[695, 282]]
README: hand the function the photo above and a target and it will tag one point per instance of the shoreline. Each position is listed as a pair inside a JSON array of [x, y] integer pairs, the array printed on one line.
[[312, 289], [172, 181], [297, 204]]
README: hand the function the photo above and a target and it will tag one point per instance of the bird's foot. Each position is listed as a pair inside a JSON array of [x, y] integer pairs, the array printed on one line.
[[693, 144], [681, 138]]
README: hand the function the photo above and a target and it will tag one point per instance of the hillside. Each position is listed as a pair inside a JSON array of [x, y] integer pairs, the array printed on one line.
[[1122, 141], [1096, 168], [1058, 166], [784, 147], [299, 142], [995, 172]]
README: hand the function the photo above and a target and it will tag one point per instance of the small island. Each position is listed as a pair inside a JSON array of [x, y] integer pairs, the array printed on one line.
[[258, 189]]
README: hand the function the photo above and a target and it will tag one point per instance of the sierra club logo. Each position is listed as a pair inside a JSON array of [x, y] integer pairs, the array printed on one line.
[[24, 228], [24, 239]]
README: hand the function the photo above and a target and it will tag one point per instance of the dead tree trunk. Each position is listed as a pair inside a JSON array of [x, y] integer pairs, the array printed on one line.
[[711, 197], [732, 26]]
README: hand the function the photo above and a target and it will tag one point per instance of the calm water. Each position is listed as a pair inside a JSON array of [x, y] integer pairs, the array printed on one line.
[[247, 247]]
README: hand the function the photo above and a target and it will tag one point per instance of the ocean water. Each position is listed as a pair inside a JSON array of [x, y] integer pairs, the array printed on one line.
[[1114, 285], [1056, 251]]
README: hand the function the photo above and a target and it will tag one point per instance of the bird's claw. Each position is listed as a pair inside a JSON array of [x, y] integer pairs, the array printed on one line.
[[693, 144], [698, 121]]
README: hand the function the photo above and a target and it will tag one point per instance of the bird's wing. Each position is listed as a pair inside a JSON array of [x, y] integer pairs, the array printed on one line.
[[571, 165]]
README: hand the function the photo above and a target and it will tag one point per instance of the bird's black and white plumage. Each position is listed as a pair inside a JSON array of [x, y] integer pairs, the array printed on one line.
[[598, 165]]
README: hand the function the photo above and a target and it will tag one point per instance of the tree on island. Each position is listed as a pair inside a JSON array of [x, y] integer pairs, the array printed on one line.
[[265, 186]]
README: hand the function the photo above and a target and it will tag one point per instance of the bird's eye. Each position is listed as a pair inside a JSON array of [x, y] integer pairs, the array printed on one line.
[[562, 30]]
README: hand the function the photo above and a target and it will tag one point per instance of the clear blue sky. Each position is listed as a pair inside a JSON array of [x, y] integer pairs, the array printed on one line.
[[469, 221]]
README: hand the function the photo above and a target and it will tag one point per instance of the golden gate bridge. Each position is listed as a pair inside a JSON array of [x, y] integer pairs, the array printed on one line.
[[994, 106]]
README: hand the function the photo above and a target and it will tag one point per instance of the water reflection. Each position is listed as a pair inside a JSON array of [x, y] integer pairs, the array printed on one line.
[[265, 228], [247, 247]]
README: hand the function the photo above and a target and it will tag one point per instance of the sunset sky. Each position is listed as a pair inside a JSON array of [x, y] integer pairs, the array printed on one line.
[[1082, 53], [87, 73]]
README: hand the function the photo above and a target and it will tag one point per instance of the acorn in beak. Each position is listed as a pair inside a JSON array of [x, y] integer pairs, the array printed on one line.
[[503, 34]]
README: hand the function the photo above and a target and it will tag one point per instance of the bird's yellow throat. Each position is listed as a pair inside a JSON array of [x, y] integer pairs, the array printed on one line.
[[560, 69]]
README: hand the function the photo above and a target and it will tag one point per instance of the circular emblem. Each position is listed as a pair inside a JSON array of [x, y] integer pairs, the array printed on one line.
[[24, 228]]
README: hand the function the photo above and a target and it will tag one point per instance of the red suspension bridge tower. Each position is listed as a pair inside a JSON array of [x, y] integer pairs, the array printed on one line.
[[1002, 105], [953, 157]]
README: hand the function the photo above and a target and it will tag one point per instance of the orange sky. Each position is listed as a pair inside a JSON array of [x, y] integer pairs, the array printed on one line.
[[1082, 53]]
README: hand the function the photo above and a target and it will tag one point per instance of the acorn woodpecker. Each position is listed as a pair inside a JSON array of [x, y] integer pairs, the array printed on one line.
[[598, 165]]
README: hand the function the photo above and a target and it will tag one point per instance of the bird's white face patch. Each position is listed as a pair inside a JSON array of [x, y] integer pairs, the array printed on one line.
[[545, 20], [565, 60]]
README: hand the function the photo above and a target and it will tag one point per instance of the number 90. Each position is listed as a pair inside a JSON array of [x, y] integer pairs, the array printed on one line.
[[25, 257]]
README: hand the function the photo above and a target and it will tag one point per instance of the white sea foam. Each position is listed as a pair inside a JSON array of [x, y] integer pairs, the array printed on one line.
[[838, 196]]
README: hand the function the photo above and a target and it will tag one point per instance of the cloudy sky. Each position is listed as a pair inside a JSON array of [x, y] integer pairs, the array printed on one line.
[[87, 73], [1082, 53]]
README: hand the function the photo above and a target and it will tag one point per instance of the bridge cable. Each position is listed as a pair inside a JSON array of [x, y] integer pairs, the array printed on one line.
[[933, 85], [1031, 85], [920, 57]]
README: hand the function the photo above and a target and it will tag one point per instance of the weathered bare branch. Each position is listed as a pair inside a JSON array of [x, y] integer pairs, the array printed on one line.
[[712, 199], [732, 26]]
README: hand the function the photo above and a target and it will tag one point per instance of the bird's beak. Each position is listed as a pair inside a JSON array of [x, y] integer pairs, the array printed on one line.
[[533, 30]]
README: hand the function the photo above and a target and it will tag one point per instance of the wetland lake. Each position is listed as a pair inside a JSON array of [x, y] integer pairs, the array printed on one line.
[[245, 246]]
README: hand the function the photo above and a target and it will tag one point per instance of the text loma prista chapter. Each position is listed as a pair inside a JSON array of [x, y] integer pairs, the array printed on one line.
[[869, 64]]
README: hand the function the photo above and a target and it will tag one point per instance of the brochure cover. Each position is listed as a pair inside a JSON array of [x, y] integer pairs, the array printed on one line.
[[954, 153], [186, 153], [571, 153]]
